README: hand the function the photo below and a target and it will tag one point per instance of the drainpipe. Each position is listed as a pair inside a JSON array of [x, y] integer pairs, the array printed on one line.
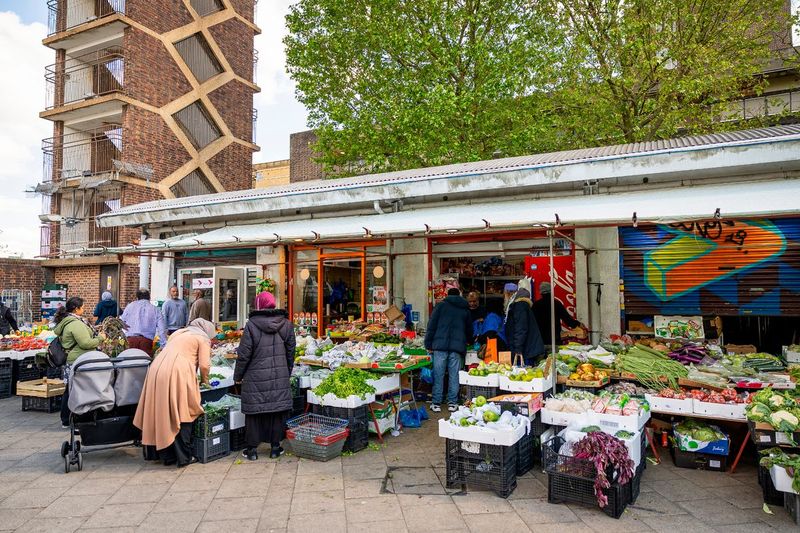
[[144, 268]]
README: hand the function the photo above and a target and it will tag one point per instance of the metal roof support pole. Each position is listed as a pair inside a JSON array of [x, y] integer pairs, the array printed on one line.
[[550, 233], [389, 273], [144, 268]]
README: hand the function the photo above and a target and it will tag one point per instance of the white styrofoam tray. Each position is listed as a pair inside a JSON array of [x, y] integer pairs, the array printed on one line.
[[535, 385], [733, 411], [669, 405], [632, 423], [559, 418], [492, 380], [781, 479], [387, 383], [236, 420], [332, 400], [480, 434]]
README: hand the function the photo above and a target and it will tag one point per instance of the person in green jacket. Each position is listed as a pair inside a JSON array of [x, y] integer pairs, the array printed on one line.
[[77, 337]]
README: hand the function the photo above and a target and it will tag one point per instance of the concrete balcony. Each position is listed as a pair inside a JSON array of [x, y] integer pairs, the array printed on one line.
[[85, 78], [74, 24]]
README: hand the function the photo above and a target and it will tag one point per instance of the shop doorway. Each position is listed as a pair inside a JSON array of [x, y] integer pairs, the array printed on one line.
[[343, 288], [230, 290]]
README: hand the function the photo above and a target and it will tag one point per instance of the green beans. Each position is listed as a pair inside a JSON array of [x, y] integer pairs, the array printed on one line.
[[650, 369]]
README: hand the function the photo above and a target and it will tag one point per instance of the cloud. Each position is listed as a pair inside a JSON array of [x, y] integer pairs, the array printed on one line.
[[22, 58]]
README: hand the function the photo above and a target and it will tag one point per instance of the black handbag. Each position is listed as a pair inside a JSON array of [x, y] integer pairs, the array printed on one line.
[[56, 354]]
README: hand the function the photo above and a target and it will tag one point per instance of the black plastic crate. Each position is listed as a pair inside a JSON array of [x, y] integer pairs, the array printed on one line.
[[6, 387], [791, 502], [473, 391], [772, 496], [635, 485], [28, 370], [6, 368], [298, 405], [525, 447], [564, 488], [207, 425], [698, 461], [53, 373], [237, 439], [486, 466], [556, 463], [212, 448], [46, 405], [357, 422]]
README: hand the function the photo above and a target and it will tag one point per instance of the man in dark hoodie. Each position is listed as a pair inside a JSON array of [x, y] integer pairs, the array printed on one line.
[[449, 331], [522, 332], [105, 308]]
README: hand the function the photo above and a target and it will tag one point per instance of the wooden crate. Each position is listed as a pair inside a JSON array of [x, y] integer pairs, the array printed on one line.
[[41, 388]]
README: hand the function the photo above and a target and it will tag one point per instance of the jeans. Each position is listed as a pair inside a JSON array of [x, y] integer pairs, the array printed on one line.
[[449, 362]]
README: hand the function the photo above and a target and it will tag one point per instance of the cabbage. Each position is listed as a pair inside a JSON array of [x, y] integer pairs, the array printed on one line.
[[758, 412]]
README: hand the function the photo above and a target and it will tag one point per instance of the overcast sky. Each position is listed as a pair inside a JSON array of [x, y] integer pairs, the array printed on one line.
[[23, 25]]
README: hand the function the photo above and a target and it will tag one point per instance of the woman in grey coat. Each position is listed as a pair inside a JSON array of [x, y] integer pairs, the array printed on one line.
[[263, 367]]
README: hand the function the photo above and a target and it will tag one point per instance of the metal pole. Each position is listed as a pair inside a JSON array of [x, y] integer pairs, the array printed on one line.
[[550, 233]]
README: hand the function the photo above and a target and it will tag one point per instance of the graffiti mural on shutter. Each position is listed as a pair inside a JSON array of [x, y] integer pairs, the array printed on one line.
[[724, 267]]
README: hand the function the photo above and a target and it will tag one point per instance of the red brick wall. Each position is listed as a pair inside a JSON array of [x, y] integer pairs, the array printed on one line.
[[235, 39], [159, 15], [245, 8], [149, 141], [301, 164], [129, 284], [151, 75], [24, 275], [234, 102], [233, 167], [84, 282]]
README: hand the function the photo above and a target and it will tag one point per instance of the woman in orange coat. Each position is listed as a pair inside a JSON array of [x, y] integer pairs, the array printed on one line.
[[170, 399]]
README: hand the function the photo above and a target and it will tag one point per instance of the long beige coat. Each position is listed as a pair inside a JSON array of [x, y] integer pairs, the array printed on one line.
[[171, 394]]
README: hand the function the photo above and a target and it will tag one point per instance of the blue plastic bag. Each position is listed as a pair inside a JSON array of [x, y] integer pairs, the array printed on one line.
[[426, 375], [413, 418]]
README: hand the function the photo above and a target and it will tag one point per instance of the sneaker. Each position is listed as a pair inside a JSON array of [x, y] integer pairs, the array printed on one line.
[[276, 452], [453, 407], [436, 408], [250, 454]]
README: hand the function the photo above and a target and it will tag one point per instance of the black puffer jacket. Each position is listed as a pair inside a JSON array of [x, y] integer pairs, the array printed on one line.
[[522, 332], [264, 363], [450, 326]]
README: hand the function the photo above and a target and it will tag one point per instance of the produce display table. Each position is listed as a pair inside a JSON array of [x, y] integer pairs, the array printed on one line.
[[741, 448], [18, 356]]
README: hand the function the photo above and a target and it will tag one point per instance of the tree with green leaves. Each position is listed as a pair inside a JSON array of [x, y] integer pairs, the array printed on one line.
[[639, 70], [392, 84]]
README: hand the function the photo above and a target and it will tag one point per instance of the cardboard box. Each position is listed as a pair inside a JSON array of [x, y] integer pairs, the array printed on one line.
[[522, 404], [688, 444], [480, 434], [764, 435], [698, 461], [740, 348], [393, 314]]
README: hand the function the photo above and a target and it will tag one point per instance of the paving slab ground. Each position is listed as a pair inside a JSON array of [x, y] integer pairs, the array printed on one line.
[[394, 488]]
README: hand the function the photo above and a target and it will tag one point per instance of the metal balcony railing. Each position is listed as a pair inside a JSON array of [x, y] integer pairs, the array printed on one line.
[[82, 154], [67, 14], [765, 105], [45, 245], [85, 77], [255, 123], [255, 65]]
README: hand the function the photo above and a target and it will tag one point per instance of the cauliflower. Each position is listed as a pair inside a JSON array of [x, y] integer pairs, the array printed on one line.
[[784, 421], [777, 401]]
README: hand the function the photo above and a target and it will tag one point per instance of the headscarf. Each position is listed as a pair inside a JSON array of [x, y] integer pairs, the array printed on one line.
[[522, 292], [107, 296], [510, 287], [201, 326], [265, 300]]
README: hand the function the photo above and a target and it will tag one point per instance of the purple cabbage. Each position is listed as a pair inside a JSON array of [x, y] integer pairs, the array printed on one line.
[[604, 451]]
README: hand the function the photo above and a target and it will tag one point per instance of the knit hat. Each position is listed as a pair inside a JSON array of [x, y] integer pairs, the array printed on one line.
[[107, 296], [545, 287], [510, 287], [265, 300]]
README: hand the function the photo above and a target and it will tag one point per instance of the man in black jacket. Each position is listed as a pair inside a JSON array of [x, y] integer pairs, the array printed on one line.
[[541, 310], [7, 321], [449, 331]]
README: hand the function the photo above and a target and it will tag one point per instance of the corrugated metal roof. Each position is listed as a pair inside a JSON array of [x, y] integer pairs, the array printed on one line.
[[509, 164]]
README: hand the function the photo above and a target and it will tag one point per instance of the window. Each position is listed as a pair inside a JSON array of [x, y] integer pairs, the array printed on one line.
[[197, 125], [206, 7], [795, 12], [198, 57], [192, 185]]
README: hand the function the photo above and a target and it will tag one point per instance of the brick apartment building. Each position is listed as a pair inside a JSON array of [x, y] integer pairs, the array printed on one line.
[[149, 99]]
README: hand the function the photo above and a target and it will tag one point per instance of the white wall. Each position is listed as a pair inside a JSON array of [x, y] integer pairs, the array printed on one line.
[[603, 267], [411, 275], [162, 272]]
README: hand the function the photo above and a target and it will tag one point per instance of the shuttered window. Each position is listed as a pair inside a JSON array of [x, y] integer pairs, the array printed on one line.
[[192, 185], [206, 7], [197, 55], [197, 125]]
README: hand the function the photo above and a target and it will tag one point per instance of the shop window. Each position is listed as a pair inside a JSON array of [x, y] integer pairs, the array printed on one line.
[[192, 185], [197, 124], [206, 7], [197, 55]]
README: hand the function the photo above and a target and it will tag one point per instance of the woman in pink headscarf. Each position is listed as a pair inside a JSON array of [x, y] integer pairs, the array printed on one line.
[[263, 367]]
